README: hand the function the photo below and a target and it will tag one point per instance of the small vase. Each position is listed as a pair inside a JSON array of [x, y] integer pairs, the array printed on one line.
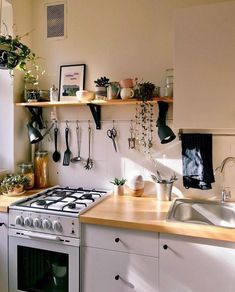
[[118, 190]]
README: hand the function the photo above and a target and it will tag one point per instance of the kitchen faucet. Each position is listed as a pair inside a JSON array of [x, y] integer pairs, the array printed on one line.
[[225, 194]]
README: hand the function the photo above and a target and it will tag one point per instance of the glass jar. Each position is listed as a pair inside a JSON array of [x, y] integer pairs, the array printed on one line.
[[26, 169], [41, 169]]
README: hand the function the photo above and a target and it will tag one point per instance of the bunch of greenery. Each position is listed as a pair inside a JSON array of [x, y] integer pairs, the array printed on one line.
[[10, 181], [118, 181], [102, 82], [14, 53]]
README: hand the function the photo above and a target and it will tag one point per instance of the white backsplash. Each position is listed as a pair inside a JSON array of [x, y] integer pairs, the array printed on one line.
[[128, 162]]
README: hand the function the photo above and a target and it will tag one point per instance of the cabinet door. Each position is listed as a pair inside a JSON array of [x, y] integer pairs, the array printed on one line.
[[204, 67], [106, 271], [3, 252], [192, 265]]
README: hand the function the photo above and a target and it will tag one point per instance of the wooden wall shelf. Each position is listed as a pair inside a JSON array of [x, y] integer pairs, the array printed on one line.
[[94, 105], [94, 102]]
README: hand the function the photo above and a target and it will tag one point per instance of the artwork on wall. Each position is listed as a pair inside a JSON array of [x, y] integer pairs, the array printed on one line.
[[55, 20], [72, 79]]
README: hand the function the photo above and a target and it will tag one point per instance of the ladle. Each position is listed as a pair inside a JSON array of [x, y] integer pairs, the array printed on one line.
[[56, 154], [77, 158]]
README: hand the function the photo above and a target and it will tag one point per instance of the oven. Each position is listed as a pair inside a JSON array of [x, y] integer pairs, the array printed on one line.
[[43, 262], [44, 236]]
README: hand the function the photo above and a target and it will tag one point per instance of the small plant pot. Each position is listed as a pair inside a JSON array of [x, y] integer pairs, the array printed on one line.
[[118, 190], [101, 93]]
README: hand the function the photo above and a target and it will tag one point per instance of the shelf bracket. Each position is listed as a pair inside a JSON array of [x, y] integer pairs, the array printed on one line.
[[96, 113]]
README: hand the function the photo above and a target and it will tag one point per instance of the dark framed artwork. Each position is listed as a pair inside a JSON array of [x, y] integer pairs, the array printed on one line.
[[72, 79]]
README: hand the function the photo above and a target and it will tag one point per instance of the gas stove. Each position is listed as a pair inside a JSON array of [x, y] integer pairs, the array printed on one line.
[[54, 211]]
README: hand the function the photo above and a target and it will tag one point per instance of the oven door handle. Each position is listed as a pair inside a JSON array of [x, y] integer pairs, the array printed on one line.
[[42, 236]]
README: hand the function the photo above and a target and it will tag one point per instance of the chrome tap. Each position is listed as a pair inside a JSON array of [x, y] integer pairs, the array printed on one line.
[[225, 193]]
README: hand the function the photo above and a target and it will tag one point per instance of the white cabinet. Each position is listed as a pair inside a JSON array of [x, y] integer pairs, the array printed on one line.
[[3, 252], [191, 265], [118, 260], [204, 67]]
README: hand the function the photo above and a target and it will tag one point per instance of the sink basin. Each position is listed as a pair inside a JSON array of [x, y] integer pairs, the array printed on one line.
[[202, 212]]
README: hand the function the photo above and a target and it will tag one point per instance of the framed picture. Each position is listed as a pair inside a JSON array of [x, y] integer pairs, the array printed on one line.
[[72, 79]]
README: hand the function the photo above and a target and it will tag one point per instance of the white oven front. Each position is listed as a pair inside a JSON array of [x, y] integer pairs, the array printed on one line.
[[42, 263]]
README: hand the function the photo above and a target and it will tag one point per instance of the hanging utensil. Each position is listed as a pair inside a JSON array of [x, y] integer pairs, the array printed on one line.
[[112, 134], [131, 140], [56, 154], [67, 152], [89, 162], [78, 157]]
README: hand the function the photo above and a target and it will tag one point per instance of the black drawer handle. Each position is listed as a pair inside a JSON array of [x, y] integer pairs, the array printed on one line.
[[165, 246], [1, 224], [117, 239], [117, 277]]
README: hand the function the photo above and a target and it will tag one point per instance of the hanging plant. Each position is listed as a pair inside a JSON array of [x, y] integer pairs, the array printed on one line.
[[14, 53], [144, 115]]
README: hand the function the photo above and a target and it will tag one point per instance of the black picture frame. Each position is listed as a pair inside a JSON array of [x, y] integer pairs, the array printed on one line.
[[72, 79]]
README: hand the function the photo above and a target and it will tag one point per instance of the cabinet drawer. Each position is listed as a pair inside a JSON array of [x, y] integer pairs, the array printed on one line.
[[105, 270], [117, 239]]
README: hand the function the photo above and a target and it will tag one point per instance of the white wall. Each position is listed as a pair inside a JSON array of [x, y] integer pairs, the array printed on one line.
[[118, 39], [6, 103]]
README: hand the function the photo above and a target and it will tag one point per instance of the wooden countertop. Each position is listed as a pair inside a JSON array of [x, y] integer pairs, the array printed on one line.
[[6, 201], [148, 214]]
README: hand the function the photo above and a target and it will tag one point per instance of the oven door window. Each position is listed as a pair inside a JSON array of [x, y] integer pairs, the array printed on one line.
[[42, 270]]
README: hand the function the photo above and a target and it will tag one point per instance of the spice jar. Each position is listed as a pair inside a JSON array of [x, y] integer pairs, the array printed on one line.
[[41, 169], [26, 169]]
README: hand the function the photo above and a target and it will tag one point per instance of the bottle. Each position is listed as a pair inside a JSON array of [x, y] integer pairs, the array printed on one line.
[[27, 170], [41, 169], [53, 93]]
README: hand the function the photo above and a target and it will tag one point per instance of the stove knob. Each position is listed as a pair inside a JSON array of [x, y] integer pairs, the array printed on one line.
[[37, 222], [46, 224], [28, 222], [57, 226], [19, 220]]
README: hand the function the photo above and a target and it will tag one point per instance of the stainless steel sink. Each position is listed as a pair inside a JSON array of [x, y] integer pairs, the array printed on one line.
[[202, 212]]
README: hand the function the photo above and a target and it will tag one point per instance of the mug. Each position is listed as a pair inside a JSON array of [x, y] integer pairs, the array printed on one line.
[[127, 93]]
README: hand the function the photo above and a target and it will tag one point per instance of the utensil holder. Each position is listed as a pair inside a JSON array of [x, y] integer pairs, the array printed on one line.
[[164, 190]]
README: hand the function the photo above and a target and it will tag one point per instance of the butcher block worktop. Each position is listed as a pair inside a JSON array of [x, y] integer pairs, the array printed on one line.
[[146, 213], [6, 201]]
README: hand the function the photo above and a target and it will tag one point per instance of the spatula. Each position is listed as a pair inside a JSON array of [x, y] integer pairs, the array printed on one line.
[[67, 152]]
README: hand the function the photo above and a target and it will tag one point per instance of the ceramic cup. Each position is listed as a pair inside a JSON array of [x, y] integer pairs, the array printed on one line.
[[127, 93], [127, 83]]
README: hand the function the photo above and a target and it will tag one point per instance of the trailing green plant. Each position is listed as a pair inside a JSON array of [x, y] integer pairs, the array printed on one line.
[[144, 115], [10, 181], [102, 82], [14, 53], [145, 91], [118, 181]]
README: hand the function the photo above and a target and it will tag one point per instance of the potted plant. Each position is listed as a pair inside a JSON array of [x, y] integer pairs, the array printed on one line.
[[13, 53], [118, 186], [13, 184], [102, 84], [144, 114]]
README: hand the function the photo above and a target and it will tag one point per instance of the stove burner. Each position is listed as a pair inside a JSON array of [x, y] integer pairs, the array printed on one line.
[[87, 196], [71, 205], [41, 202]]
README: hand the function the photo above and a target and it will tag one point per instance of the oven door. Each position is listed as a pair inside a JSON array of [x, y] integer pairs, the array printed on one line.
[[42, 263]]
